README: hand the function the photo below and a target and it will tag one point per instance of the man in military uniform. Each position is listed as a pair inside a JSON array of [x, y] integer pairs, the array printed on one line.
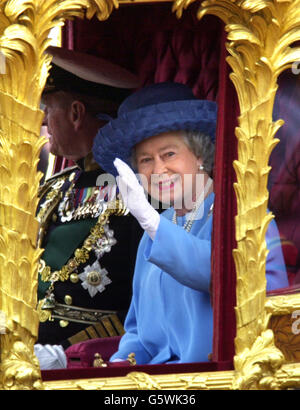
[[90, 240]]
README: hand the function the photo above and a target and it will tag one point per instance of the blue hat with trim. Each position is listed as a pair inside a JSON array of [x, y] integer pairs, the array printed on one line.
[[148, 112]]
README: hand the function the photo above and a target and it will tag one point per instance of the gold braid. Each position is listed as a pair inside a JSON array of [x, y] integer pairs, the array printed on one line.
[[81, 255]]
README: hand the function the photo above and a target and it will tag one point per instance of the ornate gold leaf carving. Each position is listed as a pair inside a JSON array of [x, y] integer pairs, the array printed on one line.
[[289, 376], [193, 381], [256, 367], [19, 369], [283, 304], [287, 336], [24, 30], [144, 381]]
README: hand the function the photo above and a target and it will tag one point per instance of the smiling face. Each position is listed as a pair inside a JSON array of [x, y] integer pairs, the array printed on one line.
[[170, 169]]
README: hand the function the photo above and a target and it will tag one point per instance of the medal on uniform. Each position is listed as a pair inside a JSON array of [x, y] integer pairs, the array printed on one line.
[[94, 278], [88, 202]]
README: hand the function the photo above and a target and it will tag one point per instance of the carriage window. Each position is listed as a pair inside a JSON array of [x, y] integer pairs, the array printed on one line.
[[284, 181], [152, 43]]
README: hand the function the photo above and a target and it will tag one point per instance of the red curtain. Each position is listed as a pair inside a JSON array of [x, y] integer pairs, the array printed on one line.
[[153, 43], [223, 268]]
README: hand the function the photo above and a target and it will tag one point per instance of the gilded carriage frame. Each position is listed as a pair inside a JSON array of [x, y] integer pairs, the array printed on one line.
[[260, 33]]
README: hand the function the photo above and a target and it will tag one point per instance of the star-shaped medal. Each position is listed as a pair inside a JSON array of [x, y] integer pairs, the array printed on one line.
[[94, 278]]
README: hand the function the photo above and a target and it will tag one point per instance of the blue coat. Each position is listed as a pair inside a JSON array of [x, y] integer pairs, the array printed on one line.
[[170, 319]]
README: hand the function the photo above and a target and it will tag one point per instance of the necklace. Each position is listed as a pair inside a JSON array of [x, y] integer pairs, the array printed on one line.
[[192, 215]]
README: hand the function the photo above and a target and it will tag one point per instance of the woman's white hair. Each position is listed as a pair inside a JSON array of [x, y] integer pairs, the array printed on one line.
[[202, 147]]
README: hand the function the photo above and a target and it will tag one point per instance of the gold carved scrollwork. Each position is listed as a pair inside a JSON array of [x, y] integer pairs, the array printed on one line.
[[24, 30], [142, 381], [260, 35]]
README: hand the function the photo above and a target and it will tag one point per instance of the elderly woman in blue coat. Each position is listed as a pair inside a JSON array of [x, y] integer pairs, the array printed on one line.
[[167, 136]]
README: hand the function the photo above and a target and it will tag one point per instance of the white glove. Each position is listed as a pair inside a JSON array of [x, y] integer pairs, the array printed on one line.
[[50, 356], [135, 200]]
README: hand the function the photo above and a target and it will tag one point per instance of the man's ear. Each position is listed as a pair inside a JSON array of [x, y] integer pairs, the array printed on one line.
[[77, 114]]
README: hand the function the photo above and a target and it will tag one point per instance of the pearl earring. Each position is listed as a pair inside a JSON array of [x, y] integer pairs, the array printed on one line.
[[201, 168]]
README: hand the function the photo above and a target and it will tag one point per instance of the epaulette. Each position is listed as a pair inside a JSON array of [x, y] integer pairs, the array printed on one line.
[[51, 180], [62, 172]]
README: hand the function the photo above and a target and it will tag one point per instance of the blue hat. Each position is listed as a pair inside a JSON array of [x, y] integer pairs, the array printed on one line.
[[150, 111]]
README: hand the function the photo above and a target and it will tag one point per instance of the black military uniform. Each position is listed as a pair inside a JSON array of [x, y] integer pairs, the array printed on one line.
[[90, 244], [69, 312]]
